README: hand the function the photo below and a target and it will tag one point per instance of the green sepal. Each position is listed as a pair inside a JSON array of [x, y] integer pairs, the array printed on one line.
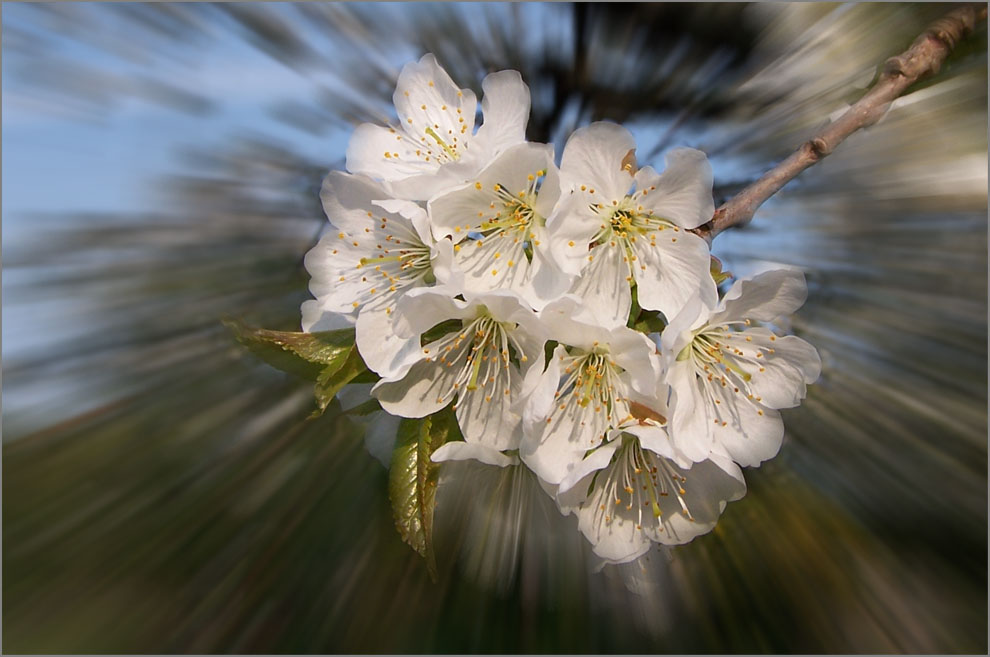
[[634, 309], [412, 479], [650, 321], [443, 328], [718, 275]]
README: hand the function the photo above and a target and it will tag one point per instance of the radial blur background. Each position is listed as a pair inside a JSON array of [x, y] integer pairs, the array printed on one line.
[[163, 490]]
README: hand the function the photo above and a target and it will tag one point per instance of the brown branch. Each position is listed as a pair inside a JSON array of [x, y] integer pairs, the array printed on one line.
[[923, 58]]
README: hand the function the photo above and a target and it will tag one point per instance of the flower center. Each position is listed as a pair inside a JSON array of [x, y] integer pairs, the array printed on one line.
[[726, 360], [506, 236], [626, 224], [637, 479], [450, 150], [397, 261], [480, 355], [591, 381]]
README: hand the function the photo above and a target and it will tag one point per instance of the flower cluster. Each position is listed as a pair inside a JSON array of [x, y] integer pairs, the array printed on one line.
[[568, 315]]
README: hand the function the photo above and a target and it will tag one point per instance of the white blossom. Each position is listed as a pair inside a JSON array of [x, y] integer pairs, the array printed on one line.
[[615, 227], [434, 147], [729, 376], [479, 364], [457, 253], [586, 389], [497, 223], [378, 249], [631, 493]]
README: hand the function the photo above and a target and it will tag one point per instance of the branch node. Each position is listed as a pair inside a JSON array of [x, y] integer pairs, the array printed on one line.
[[819, 147]]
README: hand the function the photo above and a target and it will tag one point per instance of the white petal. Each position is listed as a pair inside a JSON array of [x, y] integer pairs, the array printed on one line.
[[485, 264], [691, 420], [594, 157], [603, 286], [412, 211], [722, 459], [382, 350], [538, 390], [597, 460], [570, 230], [708, 487], [617, 541], [426, 96], [366, 154], [315, 318], [765, 297], [487, 415], [505, 107], [793, 364], [569, 322], [748, 431], [417, 393], [673, 270], [636, 354], [683, 191], [652, 438], [442, 264], [461, 451], [425, 186], [563, 441], [507, 306], [680, 330], [550, 190], [347, 200], [548, 281], [421, 309], [379, 436]]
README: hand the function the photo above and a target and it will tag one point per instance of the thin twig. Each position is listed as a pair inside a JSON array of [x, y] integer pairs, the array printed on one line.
[[924, 57]]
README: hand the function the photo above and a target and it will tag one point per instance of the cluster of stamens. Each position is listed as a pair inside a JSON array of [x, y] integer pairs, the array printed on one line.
[[402, 260], [424, 140], [589, 381], [636, 481], [628, 225], [505, 235], [478, 356], [726, 359]]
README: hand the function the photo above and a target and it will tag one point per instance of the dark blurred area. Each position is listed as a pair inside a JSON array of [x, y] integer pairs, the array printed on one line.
[[163, 491]]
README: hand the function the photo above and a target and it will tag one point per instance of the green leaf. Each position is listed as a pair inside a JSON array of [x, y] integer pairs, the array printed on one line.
[[327, 357], [336, 376], [412, 480], [308, 355]]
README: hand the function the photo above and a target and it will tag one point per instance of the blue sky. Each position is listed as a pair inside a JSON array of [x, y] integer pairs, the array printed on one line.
[[60, 160]]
